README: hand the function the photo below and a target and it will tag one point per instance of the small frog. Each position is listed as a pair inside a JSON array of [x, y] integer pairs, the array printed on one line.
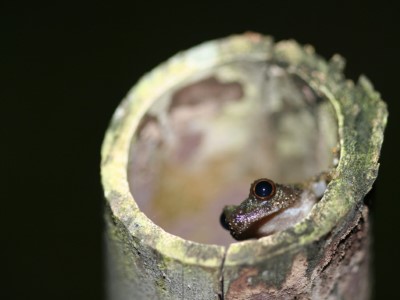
[[272, 207]]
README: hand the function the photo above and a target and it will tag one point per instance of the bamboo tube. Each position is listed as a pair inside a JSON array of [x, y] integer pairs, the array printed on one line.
[[191, 136]]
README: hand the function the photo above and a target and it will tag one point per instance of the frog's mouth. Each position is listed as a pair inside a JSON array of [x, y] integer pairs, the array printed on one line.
[[244, 226], [256, 225], [255, 229]]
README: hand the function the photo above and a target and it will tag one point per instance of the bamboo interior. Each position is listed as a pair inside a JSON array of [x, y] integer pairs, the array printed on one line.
[[201, 145]]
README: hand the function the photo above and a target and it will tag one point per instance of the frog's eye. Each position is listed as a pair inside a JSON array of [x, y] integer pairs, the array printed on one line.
[[263, 189]]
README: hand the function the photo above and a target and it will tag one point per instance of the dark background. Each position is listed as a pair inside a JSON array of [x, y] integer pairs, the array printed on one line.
[[65, 68]]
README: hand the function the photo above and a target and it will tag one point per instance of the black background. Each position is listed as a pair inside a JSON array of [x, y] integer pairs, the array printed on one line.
[[65, 68]]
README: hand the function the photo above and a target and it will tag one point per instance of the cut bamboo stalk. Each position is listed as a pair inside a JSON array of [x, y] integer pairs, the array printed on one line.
[[191, 136]]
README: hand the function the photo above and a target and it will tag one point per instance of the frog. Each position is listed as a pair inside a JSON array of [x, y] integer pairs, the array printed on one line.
[[271, 207]]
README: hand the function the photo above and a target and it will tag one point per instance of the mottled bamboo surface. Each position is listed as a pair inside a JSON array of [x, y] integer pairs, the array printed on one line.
[[193, 134]]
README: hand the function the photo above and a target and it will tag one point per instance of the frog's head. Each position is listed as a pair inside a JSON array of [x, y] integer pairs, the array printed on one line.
[[264, 201]]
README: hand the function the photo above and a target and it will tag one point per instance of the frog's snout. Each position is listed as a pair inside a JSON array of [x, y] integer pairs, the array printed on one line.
[[222, 220]]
